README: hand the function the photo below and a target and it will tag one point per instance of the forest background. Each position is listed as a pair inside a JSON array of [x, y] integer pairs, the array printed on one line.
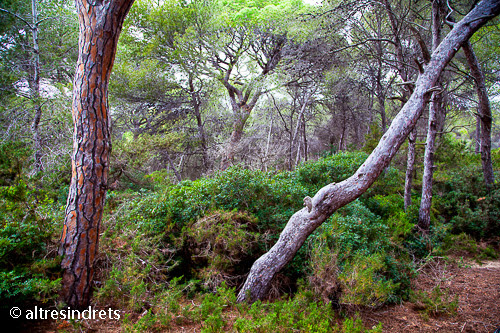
[[225, 116]]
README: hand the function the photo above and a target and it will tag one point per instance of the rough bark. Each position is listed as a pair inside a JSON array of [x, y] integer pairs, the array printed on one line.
[[484, 112], [241, 114], [100, 26], [435, 117], [403, 73], [300, 123], [333, 196], [410, 165], [37, 144], [435, 113], [196, 103]]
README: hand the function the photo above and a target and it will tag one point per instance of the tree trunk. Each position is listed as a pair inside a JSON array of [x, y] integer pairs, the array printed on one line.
[[196, 103], [477, 134], [268, 143], [403, 73], [484, 115], [410, 165], [435, 116], [300, 122], [100, 26], [37, 154], [235, 139], [304, 135], [333, 196]]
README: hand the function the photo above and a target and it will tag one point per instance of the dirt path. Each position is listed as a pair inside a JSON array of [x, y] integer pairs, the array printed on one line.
[[478, 310]]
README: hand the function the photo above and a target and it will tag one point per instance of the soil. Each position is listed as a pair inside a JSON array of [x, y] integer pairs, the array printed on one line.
[[477, 288]]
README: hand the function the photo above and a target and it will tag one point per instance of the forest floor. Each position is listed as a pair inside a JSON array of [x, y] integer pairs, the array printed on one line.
[[475, 287]]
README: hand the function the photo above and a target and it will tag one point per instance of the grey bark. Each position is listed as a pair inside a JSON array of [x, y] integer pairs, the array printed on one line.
[[37, 154], [435, 113], [403, 73], [333, 196], [484, 112], [435, 117], [410, 165]]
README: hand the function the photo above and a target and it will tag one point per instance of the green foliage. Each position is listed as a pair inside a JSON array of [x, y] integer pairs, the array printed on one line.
[[468, 205], [13, 156], [372, 138], [436, 302], [140, 264], [357, 258], [27, 225], [355, 325], [297, 314], [363, 283], [355, 229], [334, 168], [464, 245], [223, 244]]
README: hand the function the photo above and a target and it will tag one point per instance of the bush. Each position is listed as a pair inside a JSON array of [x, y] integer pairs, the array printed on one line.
[[298, 314], [353, 262], [436, 302], [223, 244], [468, 206], [29, 268]]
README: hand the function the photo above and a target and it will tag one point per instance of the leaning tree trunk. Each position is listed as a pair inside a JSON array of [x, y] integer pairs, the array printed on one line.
[[333, 196], [484, 115], [100, 26]]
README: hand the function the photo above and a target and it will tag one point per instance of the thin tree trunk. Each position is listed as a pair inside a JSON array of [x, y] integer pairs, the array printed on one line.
[[435, 111], [37, 154], [268, 143], [171, 163], [295, 137], [435, 115], [100, 26], [195, 101], [484, 115], [477, 135], [410, 164], [297, 156], [304, 134], [333, 196], [403, 73]]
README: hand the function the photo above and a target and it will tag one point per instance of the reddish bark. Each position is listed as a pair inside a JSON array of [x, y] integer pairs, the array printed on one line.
[[100, 26], [333, 196]]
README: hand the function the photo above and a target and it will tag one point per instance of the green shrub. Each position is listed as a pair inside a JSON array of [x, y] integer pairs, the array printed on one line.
[[355, 325], [298, 314], [363, 282], [316, 174], [28, 224], [436, 302], [223, 244]]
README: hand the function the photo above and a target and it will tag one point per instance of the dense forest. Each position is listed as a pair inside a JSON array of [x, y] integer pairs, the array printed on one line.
[[246, 166]]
